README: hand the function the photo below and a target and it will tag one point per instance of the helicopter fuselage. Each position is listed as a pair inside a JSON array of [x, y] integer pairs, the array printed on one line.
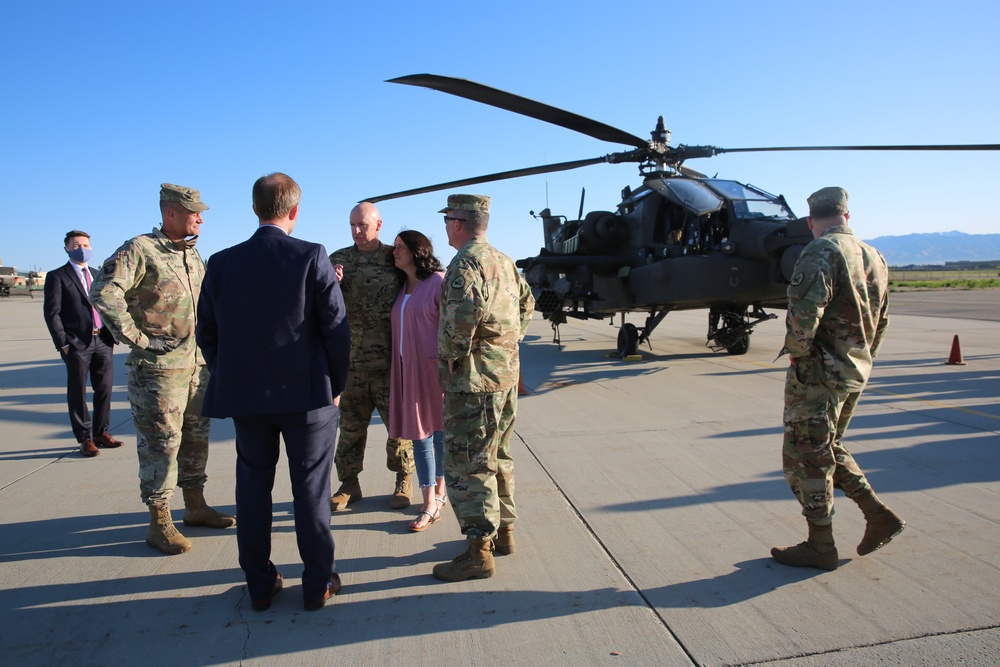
[[676, 243]]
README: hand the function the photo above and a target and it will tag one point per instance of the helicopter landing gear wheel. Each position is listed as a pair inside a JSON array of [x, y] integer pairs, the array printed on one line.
[[736, 321], [628, 339], [741, 345]]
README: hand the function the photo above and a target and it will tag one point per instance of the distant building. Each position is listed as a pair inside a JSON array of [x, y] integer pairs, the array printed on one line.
[[9, 276]]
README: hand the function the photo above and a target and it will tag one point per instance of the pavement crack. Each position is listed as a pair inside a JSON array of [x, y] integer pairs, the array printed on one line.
[[607, 551], [32, 472], [242, 619], [888, 642]]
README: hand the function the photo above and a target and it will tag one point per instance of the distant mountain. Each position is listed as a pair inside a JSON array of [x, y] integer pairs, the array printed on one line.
[[937, 248]]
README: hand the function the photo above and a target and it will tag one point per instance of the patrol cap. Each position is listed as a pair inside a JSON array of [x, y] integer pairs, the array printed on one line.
[[480, 203], [189, 198], [828, 202]]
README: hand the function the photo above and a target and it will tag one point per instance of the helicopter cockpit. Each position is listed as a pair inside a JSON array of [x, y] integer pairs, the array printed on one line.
[[709, 195], [750, 202], [690, 194]]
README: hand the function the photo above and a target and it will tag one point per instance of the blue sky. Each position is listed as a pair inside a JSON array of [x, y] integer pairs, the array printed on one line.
[[104, 101]]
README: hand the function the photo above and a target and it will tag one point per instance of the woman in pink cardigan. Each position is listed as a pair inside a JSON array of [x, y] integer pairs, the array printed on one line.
[[415, 396]]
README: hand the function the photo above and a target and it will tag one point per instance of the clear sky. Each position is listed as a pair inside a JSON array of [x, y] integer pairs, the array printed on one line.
[[103, 101]]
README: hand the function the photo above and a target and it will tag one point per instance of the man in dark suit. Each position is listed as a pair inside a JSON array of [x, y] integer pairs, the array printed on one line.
[[84, 343], [273, 329]]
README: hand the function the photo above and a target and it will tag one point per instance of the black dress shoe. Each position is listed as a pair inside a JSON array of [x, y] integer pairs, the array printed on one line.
[[332, 588], [265, 603], [88, 448], [105, 440]]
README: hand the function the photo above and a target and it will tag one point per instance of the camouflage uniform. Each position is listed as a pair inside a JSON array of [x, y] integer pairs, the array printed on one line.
[[369, 286], [486, 307], [837, 316], [149, 289]]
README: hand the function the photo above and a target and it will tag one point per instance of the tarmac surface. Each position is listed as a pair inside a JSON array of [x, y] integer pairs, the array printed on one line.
[[649, 495]]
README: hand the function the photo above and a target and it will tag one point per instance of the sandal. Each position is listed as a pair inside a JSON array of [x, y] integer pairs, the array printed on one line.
[[441, 501], [416, 527]]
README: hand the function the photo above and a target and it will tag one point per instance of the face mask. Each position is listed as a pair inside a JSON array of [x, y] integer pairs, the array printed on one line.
[[80, 255], [185, 244]]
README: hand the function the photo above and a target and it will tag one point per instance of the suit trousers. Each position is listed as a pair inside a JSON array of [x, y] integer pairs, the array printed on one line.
[[97, 360], [309, 444]]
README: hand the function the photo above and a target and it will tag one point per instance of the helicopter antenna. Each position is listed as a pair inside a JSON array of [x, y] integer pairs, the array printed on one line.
[[546, 156], [583, 193]]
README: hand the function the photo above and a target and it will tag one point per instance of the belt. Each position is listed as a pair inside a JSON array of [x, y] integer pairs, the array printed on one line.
[[97, 332]]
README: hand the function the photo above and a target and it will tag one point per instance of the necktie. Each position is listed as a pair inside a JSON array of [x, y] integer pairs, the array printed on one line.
[[87, 278]]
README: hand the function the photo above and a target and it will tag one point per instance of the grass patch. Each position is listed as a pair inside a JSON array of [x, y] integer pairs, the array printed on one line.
[[946, 283]]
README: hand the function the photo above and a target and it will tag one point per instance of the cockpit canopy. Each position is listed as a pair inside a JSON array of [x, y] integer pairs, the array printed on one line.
[[709, 195]]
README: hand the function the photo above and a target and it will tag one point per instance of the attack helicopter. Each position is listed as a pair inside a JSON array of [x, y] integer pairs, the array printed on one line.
[[679, 241]]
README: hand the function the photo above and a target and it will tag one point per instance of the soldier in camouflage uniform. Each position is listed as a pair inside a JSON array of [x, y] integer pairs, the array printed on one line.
[[369, 282], [486, 307], [147, 294], [837, 317]]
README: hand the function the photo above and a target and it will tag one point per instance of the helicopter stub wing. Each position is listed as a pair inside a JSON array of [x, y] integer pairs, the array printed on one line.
[[500, 99]]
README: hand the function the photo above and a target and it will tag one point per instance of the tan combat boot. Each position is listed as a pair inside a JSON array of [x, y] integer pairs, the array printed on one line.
[[881, 523], [349, 491], [474, 563], [503, 543], [818, 551], [162, 535], [401, 496], [198, 513]]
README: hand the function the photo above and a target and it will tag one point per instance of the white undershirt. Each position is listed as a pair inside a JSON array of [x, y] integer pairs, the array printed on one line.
[[79, 273], [402, 311]]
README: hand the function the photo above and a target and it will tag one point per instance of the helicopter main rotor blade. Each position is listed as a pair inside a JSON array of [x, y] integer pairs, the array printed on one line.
[[477, 92], [916, 147], [516, 173]]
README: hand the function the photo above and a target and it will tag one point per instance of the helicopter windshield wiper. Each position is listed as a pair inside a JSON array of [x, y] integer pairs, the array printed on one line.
[[477, 92]]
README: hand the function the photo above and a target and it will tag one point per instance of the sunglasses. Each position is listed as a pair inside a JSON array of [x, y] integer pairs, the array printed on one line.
[[448, 217]]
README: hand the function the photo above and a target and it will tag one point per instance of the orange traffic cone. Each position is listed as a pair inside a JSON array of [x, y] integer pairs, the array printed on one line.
[[956, 354], [521, 391]]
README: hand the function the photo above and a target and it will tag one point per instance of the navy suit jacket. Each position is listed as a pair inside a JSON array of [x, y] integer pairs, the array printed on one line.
[[273, 328], [67, 310]]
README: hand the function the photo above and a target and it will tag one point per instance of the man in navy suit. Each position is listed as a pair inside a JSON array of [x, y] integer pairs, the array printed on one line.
[[84, 343], [273, 329]]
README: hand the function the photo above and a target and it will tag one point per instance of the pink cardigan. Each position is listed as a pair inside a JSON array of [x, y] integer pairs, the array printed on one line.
[[416, 400]]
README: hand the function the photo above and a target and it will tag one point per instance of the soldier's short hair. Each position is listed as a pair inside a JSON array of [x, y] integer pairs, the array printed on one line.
[[476, 222], [72, 233], [275, 195]]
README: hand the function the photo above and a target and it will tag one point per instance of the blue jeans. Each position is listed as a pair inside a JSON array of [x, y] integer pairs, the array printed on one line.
[[428, 455]]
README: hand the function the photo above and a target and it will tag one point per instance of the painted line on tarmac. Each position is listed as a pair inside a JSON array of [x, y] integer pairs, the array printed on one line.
[[934, 404]]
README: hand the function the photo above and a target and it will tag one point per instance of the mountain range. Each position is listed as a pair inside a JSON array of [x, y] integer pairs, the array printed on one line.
[[937, 248]]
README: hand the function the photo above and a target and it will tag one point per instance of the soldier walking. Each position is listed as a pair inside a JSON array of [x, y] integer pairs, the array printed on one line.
[[837, 317], [147, 294], [369, 282], [486, 307]]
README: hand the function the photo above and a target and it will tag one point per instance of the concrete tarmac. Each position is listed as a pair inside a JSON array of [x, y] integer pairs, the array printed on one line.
[[649, 495]]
